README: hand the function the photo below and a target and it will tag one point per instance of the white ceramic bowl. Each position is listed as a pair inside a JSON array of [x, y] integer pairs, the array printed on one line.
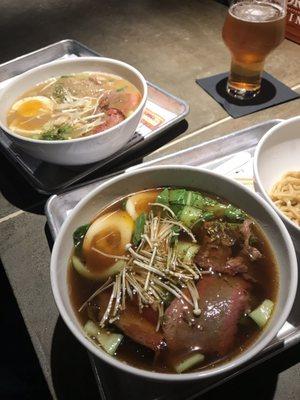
[[83, 150], [277, 153], [185, 177]]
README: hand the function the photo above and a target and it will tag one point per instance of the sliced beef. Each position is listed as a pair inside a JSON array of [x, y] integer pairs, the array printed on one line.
[[222, 302], [226, 249], [221, 233], [236, 265], [252, 252], [140, 327], [213, 256]]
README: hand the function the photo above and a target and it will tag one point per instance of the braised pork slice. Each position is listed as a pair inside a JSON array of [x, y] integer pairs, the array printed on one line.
[[140, 327], [222, 302]]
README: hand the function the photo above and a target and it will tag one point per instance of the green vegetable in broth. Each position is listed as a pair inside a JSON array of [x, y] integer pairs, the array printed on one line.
[[262, 313], [60, 132], [182, 197], [163, 197], [190, 215], [139, 228], [78, 237], [108, 341], [186, 251], [189, 363]]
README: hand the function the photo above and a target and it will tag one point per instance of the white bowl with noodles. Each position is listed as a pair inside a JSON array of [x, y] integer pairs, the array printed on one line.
[[198, 179], [277, 153], [82, 150]]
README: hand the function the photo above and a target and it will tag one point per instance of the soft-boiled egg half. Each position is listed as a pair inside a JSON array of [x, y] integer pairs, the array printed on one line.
[[30, 113]]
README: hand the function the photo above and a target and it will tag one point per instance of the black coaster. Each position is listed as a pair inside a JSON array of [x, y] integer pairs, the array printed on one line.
[[272, 92]]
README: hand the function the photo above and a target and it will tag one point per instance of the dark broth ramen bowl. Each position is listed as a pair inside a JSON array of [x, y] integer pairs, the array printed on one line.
[[197, 179], [83, 150]]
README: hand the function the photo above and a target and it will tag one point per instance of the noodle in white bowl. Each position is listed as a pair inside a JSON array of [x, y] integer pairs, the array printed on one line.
[[286, 195]]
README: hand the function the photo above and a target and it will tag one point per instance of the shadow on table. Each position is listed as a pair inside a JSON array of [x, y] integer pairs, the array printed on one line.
[[71, 371], [73, 377], [19, 193]]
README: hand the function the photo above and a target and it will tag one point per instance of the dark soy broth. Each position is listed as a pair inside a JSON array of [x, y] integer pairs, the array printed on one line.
[[261, 281]]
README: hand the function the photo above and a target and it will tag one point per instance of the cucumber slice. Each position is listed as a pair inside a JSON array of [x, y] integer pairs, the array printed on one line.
[[262, 313], [108, 341], [81, 268], [189, 363]]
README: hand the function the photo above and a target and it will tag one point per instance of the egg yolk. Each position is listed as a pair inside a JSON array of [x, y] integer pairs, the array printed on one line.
[[32, 108]]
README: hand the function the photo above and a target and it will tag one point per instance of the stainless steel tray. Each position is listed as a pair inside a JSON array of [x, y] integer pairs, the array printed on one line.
[[231, 155], [49, 178]]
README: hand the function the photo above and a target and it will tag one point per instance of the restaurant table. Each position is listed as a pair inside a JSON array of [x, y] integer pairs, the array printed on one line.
[[173, 43]]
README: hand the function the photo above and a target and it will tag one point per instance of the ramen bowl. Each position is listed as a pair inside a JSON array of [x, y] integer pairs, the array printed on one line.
[[83, 150], [277, 153], [197, 179]]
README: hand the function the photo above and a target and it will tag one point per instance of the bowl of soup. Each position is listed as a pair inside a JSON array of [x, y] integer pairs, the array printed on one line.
[[74, 111], [173, 273]]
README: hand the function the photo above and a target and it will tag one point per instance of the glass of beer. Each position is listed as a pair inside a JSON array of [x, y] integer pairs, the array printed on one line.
[[251, 31]]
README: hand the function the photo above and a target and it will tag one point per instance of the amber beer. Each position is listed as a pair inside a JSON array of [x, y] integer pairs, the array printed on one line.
[[251, 31]]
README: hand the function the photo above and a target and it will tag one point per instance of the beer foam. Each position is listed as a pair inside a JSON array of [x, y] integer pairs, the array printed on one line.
[[256, 11]]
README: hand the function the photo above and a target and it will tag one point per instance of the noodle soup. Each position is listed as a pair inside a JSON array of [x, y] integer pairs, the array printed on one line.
[[73, 106], [156, 278]]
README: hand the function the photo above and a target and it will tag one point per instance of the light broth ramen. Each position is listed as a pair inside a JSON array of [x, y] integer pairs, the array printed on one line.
[[73, 106]]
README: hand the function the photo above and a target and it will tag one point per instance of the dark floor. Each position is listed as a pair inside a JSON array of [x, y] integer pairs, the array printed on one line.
[[20, 373]]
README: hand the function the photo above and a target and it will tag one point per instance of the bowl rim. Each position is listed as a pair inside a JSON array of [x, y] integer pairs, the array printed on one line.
[[273, 131], [190, 376], [42, 67]]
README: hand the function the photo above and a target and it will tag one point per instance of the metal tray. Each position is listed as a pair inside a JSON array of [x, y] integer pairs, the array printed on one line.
[[231, 155], [49, 178]]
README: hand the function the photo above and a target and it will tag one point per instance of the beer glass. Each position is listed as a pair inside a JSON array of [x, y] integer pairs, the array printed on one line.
[[251, 31]]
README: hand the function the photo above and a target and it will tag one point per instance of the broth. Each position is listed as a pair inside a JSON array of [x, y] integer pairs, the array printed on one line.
[[245, 289], [73, 106]]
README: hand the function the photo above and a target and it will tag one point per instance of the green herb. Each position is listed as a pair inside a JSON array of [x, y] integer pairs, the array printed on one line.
[[59, 93], [78, 237], [60, 132], [121, 89], [139, 228]]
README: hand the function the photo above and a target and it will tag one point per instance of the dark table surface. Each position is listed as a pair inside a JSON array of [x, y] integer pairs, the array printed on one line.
[[172, 43]]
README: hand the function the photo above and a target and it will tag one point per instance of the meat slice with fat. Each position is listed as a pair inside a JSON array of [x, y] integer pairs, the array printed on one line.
[[140, 327]]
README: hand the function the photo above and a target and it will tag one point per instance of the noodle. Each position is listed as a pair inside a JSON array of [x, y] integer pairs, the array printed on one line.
[[286, 195]]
